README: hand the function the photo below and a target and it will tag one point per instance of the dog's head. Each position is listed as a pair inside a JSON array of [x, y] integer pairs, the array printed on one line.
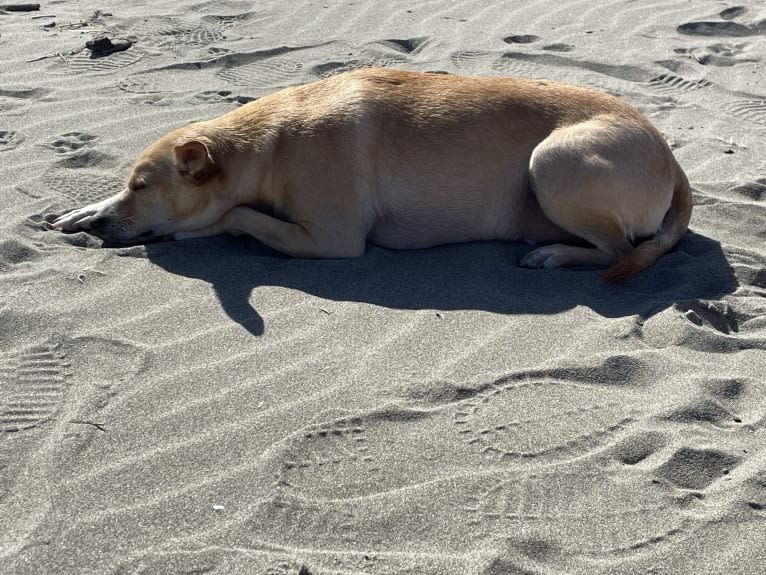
[[176, 185]]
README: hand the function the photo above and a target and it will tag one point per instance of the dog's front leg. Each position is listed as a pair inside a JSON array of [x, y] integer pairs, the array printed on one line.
[[220, 227], [290, 238]]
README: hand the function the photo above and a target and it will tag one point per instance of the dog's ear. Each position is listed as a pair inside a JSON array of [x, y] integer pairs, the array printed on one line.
[[194, 160]]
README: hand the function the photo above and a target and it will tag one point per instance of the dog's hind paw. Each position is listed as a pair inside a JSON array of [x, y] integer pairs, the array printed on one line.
[[544, 257]]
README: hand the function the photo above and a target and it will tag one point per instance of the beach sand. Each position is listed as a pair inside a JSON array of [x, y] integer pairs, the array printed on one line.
[[210, 406]]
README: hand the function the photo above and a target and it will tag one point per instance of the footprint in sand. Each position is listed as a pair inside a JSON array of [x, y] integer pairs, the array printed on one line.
[[24, 93], [242, 10], [406, 46], [151, 87], [82, 63], [547, 419], [219, 96], [710, 326], [224, 22], [750, 110], [9, 140], [500, 422], [521, 39], [733, 12], [50, 398], [722, 403], [11, 101], [166, 30], [587, 513], [724, 28], [554, 415], [88, 158], [144, 85], [750, 269], [335, 461], [83, 174], [697, 468], [717, 315], [32, 386], [17, 251], [34, 381], [672, 84], [755, 493], [71, 141], [510, 64], [198, 36], [323, 452], [516, 64], [754, 191], [636, 448], [550, 65], [470, 59], [701, 411], [722, 55], [269, 72], [82, 186], [558, 47]]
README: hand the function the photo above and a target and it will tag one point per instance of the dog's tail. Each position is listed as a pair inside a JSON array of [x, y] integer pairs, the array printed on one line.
[[673, 228]]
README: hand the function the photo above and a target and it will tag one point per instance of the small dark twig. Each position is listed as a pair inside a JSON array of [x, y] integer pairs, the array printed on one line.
[[99, 426]]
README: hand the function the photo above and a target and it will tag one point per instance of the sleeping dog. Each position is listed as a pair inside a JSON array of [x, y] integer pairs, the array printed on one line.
[[409, 160]]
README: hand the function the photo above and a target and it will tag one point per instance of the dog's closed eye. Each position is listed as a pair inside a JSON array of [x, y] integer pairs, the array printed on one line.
[[137, 186]]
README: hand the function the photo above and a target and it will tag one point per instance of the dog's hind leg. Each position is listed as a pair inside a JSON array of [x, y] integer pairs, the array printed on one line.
[[607, 181], [562, 255]]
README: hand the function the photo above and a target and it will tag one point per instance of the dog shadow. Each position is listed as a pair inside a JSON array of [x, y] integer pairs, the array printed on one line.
[[479, 276]]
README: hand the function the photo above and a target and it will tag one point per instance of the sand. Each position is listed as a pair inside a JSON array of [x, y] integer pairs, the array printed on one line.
[[210, 406]]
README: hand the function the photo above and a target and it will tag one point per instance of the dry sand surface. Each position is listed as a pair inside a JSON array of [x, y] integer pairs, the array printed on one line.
[[210, 406]]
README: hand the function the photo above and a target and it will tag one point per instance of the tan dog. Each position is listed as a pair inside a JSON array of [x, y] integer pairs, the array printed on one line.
[[410, 160]]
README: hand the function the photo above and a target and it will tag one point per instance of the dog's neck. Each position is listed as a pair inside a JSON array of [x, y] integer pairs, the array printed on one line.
[[247, 164]]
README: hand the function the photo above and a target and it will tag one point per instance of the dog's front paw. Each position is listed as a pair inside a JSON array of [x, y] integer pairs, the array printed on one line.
[[544, 257], [78, 219]]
